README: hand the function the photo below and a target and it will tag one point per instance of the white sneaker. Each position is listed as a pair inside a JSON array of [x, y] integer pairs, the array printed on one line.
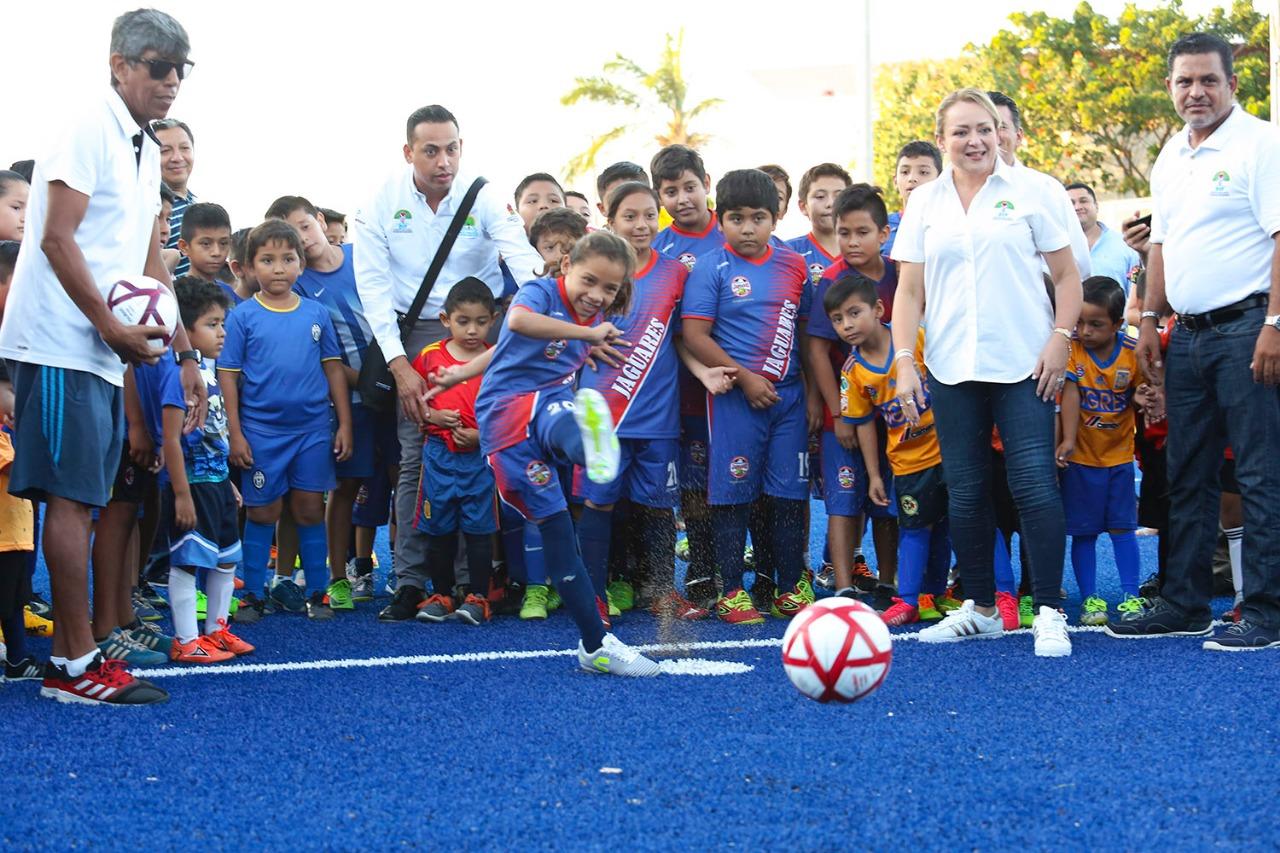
[[965, 623], [615, 657], [1050, 631], [599, 441]]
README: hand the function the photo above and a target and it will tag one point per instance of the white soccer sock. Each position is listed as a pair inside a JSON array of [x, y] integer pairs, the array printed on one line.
[[182, 601], [76, 666], [218, 585], [1235, 543]]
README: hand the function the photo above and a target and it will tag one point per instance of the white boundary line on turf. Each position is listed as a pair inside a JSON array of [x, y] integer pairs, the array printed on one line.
[[480, 657]]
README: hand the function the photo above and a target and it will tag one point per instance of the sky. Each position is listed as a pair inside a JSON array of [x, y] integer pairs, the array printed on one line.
[[290, 98]]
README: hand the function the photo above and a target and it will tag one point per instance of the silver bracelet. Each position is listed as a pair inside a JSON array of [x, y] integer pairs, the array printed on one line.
[[907, 353]]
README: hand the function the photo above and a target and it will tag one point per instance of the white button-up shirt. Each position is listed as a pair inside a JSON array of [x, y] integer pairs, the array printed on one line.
[[1216, 211], [94, 156], [397, 236], [987, 313]]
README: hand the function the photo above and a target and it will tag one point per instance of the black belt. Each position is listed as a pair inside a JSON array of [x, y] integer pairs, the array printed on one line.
[[1225, 314]]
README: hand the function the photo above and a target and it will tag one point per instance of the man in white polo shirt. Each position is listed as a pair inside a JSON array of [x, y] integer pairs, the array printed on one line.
[[397, 236], [91, 221], [1215, 260]]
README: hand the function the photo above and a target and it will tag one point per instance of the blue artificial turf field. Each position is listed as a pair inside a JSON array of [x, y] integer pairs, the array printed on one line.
[[1124, 745]]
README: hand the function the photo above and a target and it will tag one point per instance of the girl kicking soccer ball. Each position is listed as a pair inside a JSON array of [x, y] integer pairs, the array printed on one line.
[[533, 426]]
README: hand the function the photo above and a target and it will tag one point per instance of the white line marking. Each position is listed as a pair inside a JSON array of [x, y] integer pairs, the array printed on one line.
[[697, 666], [510, 655]]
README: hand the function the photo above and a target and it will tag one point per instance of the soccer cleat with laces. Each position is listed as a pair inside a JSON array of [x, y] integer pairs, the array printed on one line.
[[229, 642], [599, 441], [148, 634], [340, 596], [1094, 611], [403, 606], [615, 657], [1050, 633], [553, 599], [864, 580], [929, 611], [673, 605], [790, 603], [147, 590], [535, 602], [826, 577], [1026, 611], [900, 614], [474, 610], [621, 595], [1131, 604], [120, 646], [105, 682], [1007, 604], [948, 601], [200, 650], [736, 608], [143, 609], [287, 595], [362, 588], [437, 608], [682, 549], [963, 624]]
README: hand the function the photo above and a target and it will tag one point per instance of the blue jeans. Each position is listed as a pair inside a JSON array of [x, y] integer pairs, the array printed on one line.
[[1213, 402], [964, 414]]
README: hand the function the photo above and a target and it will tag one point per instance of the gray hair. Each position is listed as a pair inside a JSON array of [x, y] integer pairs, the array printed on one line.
[[136, 32]]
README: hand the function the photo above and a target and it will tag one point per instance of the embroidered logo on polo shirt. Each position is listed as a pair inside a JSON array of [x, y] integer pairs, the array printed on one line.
[[740, 286], [402, 218], [1220, 181], [1004, 209], [315, 332], [469, 228]]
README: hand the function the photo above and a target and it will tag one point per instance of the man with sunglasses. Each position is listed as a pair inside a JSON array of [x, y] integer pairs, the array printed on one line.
[[91, 222], [177, 157]]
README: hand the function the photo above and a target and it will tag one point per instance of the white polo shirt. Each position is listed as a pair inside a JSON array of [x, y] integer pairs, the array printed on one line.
[[987, 313], [397, 236], [95, 156], [1216, 210]]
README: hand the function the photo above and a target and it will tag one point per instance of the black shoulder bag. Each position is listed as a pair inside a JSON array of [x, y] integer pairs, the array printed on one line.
[[376, 386]]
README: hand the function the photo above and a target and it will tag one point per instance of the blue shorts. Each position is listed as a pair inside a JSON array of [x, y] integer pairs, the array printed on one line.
[[756, 451], [646, 475], [69, 435], [373, 436], [842, 478], [455, 492], [373, 500], [529, 474], [215, 540], [1099, 499], [284, 462], [694, 452]]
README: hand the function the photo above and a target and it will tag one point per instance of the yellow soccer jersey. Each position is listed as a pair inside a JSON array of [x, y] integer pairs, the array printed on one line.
[[1105, 436], [866, 389]]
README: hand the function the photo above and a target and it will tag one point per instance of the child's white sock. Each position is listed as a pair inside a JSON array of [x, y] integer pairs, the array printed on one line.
[[182, 601], [218, 586], [1235, 543]]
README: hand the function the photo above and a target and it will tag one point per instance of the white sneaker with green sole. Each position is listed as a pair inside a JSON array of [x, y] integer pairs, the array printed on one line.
[[599, 441]]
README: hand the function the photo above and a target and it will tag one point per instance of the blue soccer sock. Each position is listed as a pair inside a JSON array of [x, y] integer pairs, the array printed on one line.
[[913, 556], [535, 562], [565, 440], [1084, 560], [729, 538], [939, 566], [595, 534], [785, 529], [1003, 567], [256, 548], [570, 575], [512, 533], [1128, 562], [313, 547]]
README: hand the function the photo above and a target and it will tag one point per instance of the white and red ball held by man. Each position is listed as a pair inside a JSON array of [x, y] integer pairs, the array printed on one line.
[[142, 301], [837, 650]]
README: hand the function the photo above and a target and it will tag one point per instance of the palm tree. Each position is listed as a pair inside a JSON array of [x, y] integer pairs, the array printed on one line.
[[616, 87]]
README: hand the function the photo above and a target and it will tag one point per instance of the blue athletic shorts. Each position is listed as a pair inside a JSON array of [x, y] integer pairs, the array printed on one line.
[[373, 439], [842, 478], [921, 498], [758, 450], [646, 475], [1097, 500], [373, 500], [284, 462], [694, 453], [215, 540], [70, 433], [455, 492], [529, 474]]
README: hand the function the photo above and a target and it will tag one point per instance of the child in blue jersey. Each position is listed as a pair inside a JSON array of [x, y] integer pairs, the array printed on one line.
[[745, 307], [329, 278], [642, 394], [280, 368], [203, 505], [919, 162], [531, 421], [205, 241], [819, 187]]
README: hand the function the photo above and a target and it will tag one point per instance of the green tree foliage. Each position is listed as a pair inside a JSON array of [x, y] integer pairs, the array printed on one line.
[[1092, 89], [630, 88]]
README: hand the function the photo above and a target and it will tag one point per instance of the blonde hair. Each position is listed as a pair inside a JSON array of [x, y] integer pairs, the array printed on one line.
[[972, 95]]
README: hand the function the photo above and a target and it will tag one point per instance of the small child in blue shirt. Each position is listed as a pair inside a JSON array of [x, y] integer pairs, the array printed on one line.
[[280, 369]]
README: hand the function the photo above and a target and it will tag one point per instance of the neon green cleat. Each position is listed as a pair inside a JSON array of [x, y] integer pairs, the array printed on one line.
[[1026, 611], [929, 610], [789, 604], [1094, 611], [948, 602], [553, 599], [535, 602], [340, 596], [599, 441], [682, 549], [202, 605], [1131, 604], [621, 596]]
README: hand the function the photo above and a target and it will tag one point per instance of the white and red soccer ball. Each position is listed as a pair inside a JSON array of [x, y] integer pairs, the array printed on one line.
[[142, 301], [837, 650]]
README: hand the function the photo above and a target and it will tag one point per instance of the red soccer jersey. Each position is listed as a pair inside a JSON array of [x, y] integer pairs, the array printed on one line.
[[461, 397]]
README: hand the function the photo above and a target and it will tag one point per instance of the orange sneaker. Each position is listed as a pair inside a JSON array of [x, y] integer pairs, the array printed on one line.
[[238, 584], [199, 650], [229, 642]]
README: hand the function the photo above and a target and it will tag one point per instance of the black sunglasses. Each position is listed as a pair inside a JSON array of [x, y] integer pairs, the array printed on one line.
[[160, 68]]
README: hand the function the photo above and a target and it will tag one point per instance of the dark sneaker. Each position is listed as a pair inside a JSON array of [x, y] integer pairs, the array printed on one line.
[[864, 580], [437, 608], [288, 595], [27, 669], [143, 609], [1158, 619], [763, 592], [252, 609], [149, 635], [701, 592], [1150, 587], [404, 606], [883, 598], [155, 599], [474, 611], [40, 607], [510, 602], [318, 607], [1243, 636], [105, 682], [362, 588]]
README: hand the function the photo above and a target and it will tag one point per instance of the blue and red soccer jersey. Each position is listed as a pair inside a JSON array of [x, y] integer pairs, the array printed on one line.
[[685, 246], [523, 366], [461, 398], [815, 257], [886, 287], [754, 305], [643, 392]]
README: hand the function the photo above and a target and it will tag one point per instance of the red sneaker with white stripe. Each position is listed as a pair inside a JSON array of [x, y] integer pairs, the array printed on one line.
[[105, 682]]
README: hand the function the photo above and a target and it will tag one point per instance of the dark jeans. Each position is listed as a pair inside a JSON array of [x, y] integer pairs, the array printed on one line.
[[964, 414], [1213, 402]]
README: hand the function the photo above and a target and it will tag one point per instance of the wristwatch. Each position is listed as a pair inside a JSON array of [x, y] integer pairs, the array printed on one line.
[[1272, 320], [189, 355]]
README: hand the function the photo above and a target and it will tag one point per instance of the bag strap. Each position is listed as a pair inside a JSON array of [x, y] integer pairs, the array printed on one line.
[[442, 254]]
